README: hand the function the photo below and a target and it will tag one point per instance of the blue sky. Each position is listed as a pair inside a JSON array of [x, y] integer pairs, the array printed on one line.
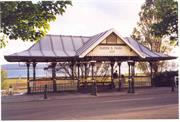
[[88, 17]]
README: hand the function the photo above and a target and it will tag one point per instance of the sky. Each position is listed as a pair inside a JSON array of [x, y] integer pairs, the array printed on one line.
[[86, 18]]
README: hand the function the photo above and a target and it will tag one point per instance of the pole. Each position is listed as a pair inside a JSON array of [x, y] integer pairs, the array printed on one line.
[[78, 83], [85, 82], [151, 75], [94, 91], [72, 70], [172, 85], [28, 86], [132, 73], [54, 77], [34, 76], [119, 64], [112, 78], [129, 78], [34, 71], [45, 92]]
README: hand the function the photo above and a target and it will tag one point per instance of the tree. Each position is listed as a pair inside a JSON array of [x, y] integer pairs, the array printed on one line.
[[3, 78], [167, 11], [27, 21], [146, 32]]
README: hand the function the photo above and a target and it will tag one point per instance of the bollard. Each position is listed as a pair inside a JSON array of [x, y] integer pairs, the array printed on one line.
[[85, 89], [132, 86], [95, 89], [28, 88], [172, 86], [119, 89], [45, 92], [129, 86]]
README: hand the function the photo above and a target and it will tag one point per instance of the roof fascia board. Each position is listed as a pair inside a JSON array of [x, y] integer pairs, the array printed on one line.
[[128, 44], [103, 37]]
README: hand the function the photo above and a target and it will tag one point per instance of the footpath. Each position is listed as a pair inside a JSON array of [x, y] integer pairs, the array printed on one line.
[[76, 95]]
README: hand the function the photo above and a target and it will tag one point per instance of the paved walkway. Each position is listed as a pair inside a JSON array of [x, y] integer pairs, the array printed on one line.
[[146, 103], [66, 95]]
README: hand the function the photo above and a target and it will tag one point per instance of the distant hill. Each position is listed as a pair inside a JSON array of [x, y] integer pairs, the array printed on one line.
[[20, 71]]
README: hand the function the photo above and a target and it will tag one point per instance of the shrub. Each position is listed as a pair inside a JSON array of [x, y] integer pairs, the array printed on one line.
[[164, 78]]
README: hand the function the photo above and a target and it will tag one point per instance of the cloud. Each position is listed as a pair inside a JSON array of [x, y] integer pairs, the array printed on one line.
[[92, 16]]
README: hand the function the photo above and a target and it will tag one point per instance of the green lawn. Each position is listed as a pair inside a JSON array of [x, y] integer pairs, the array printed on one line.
[[13, 82]]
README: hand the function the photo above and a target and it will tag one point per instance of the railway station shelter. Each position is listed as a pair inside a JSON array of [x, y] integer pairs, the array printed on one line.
[[78, 52]]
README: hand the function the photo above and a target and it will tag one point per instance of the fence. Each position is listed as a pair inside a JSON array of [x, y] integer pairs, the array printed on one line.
[[71, 85]]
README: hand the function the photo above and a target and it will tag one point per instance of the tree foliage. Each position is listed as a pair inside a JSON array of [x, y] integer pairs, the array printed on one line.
[[148, 32], [27, 21], [167, 12], [3, 75], [3, 78]]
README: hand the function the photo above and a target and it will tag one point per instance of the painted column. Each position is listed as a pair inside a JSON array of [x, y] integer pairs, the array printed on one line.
[[85, 82], [85, 71], [82, 72], [78, 82], [119, 76], [34, 76], [151, 74], [132, 76], [54, 77], [28, 86], [129, 78], [112, 78], [34, 71], [72, 69], [94, 90]]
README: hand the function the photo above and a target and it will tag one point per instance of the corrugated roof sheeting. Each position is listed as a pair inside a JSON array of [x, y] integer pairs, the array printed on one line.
[[147, 52], [134, 44], [56, 43]]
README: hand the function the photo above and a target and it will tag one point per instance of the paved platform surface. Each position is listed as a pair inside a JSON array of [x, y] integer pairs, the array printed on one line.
[[145, 103]]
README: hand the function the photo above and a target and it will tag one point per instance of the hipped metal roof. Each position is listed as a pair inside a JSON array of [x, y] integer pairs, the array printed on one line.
[[64, 47]]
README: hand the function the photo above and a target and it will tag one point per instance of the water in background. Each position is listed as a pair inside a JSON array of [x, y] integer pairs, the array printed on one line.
[[20, 71]]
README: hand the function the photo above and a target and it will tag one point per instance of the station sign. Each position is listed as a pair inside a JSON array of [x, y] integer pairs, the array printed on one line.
[[112, 50]]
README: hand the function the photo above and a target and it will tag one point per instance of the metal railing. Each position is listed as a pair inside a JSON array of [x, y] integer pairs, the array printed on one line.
[[71, 85]]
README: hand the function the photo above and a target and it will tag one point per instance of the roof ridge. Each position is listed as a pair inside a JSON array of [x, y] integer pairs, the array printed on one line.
[[91, 41], [67, 35], [80, 35]]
